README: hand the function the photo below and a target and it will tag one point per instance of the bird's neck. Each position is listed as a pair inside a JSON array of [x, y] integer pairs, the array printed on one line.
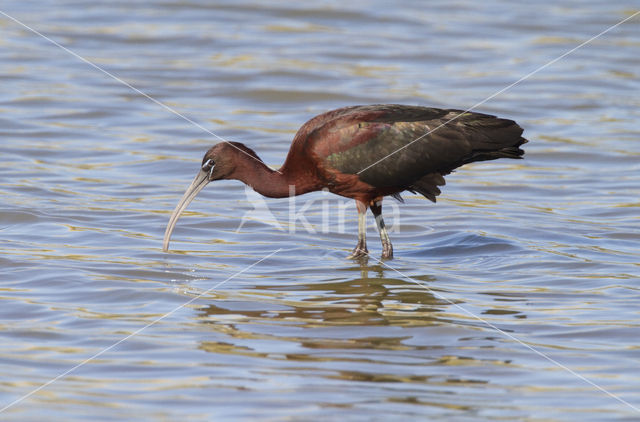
[[270, 183]]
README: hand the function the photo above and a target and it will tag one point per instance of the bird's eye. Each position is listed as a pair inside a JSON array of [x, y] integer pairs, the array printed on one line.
[[207, 165]]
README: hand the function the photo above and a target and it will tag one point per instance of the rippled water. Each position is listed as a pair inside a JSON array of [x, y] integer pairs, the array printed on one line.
[[514, 298]]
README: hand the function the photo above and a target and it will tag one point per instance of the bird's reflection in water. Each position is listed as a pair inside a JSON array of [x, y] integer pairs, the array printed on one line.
[[369, 299], [321, 331]]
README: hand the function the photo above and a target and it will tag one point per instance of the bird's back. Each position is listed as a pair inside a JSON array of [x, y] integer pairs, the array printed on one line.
[[395, 146]]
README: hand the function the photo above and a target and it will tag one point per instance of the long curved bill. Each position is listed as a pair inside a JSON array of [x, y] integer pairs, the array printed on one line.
[[201, 180]]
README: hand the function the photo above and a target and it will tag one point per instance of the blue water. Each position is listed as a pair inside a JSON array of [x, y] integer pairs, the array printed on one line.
[[513, 298]]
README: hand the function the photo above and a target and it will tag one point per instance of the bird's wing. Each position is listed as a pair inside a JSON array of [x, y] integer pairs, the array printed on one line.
[[413, 147]]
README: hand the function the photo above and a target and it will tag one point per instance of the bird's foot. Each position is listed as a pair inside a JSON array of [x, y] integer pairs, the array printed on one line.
[[387, 251], [358, 252]]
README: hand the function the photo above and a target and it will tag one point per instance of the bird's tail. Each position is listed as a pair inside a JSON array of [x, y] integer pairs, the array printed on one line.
[[513, 151], [499, 138]]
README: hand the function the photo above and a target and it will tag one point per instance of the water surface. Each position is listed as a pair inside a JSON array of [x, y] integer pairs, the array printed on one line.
[[508, 300]]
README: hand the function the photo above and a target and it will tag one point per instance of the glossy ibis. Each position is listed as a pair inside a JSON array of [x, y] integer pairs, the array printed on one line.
[[365, 153]]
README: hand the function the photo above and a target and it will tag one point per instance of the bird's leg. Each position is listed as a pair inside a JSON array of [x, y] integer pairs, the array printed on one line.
[[361, 247], [387, 248]]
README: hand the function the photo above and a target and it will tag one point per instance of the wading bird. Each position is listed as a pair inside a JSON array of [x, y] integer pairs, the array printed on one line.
[[365, 153]]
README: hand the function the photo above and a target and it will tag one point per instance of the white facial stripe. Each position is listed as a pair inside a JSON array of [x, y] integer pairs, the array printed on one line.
[[206, 163]]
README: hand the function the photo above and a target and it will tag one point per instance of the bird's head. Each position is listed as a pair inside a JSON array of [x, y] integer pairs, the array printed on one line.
[[221, 161]]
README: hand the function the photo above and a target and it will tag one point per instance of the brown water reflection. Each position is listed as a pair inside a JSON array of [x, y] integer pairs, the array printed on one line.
[[545, 249], [359, 301], [360, 330]]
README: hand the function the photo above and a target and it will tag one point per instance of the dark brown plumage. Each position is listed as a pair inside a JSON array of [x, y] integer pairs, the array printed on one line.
[[366, 153]]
